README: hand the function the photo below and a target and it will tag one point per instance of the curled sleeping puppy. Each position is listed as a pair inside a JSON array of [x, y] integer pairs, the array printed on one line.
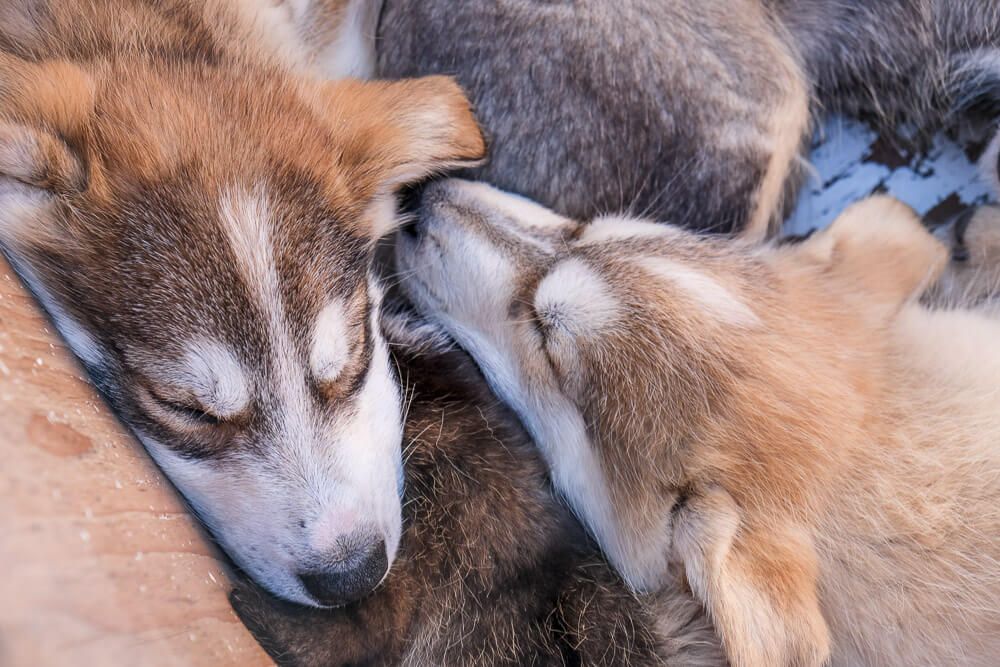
[[817, 450], [492, 568], [691, 112], [197, 212]]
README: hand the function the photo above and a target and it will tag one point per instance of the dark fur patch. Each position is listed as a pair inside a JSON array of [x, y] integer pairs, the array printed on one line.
[[621, 113], [493, 569]]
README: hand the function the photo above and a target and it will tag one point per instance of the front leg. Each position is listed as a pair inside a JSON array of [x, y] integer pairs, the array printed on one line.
[[757, 580]]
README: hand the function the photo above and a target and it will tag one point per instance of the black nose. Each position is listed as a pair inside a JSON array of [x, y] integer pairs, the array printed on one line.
[[348, 582]]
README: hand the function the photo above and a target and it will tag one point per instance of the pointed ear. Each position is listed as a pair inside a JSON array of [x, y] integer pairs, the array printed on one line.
[[880, 246], [400, 132], [37, 168], [42, 108], [394, 133]]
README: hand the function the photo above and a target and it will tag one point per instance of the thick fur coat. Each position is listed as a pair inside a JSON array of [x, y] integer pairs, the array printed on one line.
[[197, 211], [816, 449], [691, 112], [493, 569]]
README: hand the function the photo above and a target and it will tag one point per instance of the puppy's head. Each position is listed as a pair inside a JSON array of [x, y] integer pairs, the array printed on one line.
[[576, 326], [537, 297], [626, 346], [203, 244]]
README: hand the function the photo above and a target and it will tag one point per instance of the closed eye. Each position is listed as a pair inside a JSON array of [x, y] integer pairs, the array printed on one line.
[[541, 326], [187, 411]]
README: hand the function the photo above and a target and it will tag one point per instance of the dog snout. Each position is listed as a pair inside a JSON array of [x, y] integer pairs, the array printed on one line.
[[350, 577]]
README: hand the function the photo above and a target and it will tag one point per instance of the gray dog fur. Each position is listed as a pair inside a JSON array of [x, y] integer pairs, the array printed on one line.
[[597, 107]]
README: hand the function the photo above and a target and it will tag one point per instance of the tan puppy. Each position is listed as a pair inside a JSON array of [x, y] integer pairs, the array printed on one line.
[[817, 450]]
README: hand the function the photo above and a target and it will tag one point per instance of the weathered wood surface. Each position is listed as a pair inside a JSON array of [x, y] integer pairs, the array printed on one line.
[[850, 161], [99, 562]]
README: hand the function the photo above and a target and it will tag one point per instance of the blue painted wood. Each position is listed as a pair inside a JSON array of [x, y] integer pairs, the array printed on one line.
[[850, 161]]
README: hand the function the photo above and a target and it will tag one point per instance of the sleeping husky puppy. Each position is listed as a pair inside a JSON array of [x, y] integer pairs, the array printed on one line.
[[197, 213], [687, 111], [818, 451], [492, 568]]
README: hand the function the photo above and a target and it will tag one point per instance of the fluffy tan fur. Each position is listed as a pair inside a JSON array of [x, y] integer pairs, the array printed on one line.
[[837, 464], [825, 468]]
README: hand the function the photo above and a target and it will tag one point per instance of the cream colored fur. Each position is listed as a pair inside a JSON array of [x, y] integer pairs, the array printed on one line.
[[826, 468]]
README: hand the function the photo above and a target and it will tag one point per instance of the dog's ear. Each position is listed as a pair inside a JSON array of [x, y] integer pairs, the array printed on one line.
[[408, 130], [400, 132], [42, 112], [879, 246]]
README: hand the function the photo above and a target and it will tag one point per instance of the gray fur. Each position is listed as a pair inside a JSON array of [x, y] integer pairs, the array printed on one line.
[[595, 107]]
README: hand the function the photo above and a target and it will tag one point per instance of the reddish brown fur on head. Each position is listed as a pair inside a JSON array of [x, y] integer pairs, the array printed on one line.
[[200, 224]]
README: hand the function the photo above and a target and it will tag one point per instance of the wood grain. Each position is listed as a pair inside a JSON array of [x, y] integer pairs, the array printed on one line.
[[99, 562]]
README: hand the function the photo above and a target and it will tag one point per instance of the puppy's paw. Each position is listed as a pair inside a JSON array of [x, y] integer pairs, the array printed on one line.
[[972, 277]]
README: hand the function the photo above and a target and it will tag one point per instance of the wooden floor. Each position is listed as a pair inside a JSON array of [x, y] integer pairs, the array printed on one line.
[[99, 563]]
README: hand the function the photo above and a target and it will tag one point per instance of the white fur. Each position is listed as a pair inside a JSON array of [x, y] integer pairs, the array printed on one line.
[[575, 298], [381, 215], [246, 219], [24, 212], [228, 496], [330, 347], [352, 52], [348, 464], [704, 290], [274, 26], [77, 338], [212, 374], [527, 213], [370, 442], [615, 228], [561, 433]]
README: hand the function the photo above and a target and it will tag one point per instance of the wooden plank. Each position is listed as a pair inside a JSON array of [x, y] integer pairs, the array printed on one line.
[[849, 161], [99, 562]]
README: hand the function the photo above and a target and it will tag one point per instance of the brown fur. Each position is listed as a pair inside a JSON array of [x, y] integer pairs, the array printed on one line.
[[771, 418], [493, 569], [138, 144], [175, 174]]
